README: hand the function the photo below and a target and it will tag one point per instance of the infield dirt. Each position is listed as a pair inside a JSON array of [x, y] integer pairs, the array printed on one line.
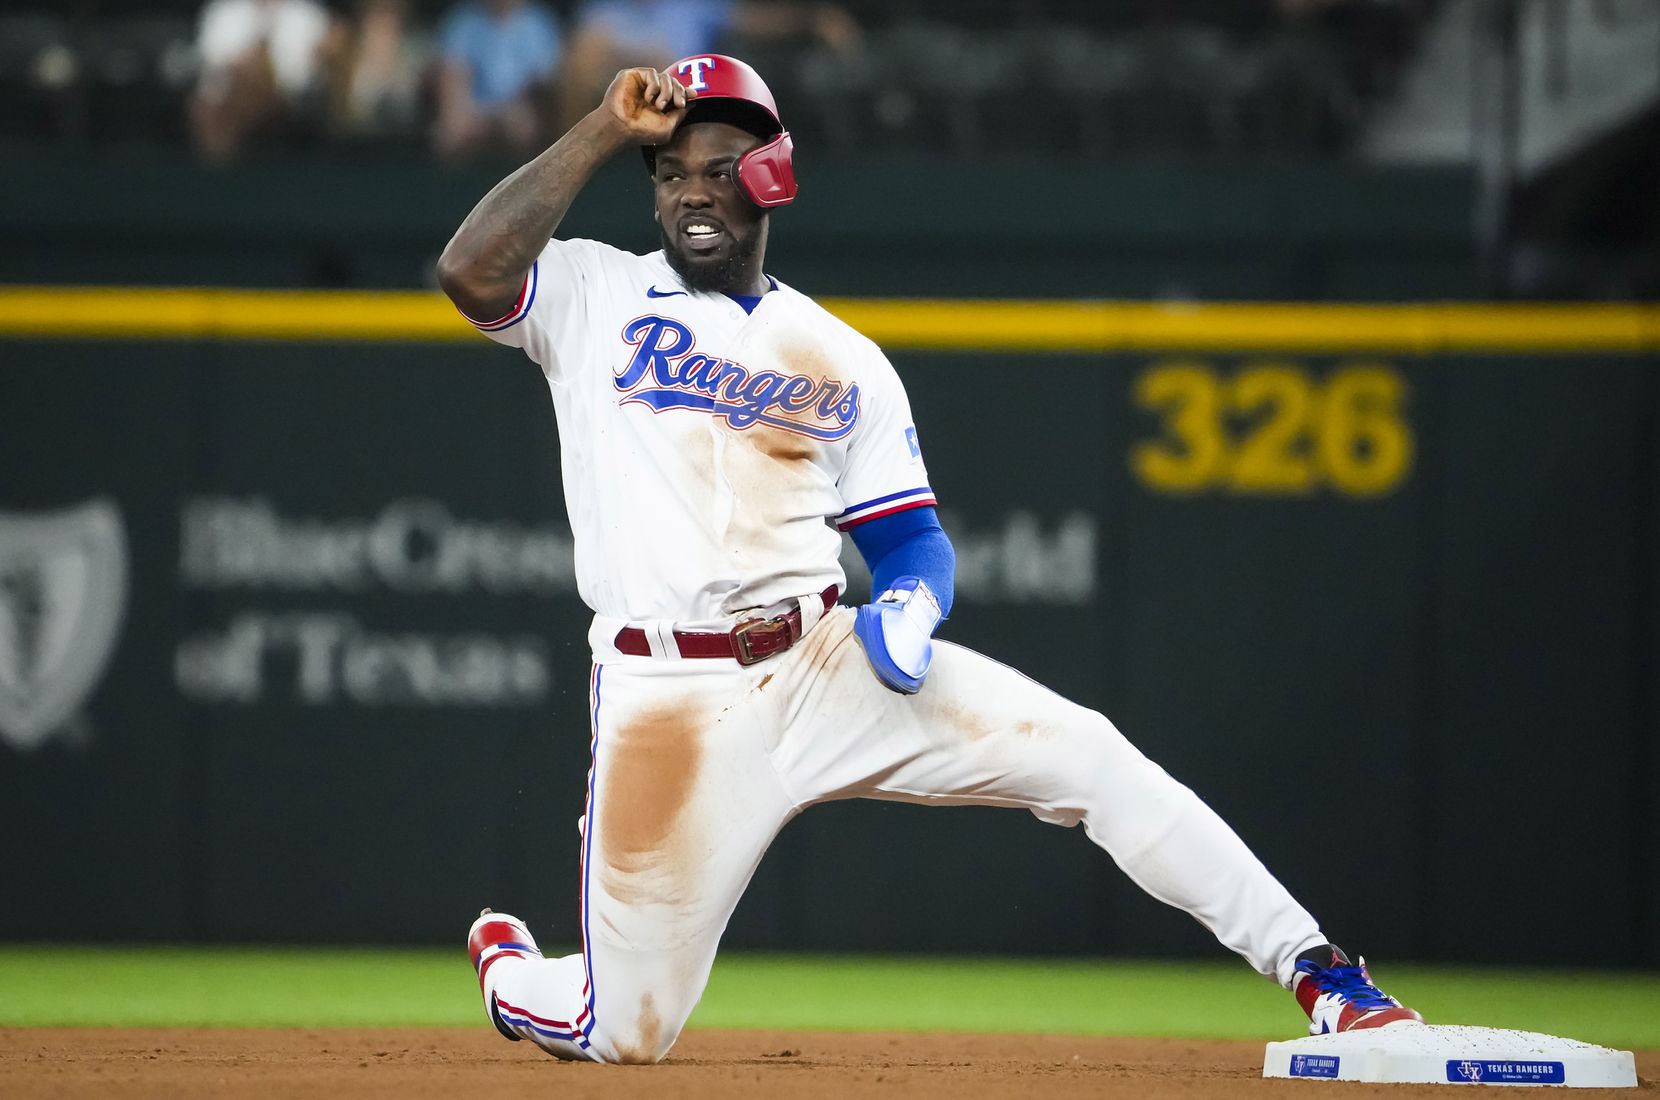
[[112, 1063]]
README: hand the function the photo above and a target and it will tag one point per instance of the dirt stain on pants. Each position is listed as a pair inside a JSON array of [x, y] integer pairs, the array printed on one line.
[[645, 845]]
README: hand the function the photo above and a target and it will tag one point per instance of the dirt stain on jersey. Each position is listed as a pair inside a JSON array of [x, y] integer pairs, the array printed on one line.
[[650, 1031], [782, 446], [780, 487], [810, 360], [775, 483], [649, 780], [765, 680]]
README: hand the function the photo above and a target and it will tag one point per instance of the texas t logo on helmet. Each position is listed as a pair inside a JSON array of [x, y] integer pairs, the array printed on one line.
[[694, 66], [766, 174]]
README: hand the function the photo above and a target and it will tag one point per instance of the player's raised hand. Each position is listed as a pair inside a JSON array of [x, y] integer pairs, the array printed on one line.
[[647, 104]]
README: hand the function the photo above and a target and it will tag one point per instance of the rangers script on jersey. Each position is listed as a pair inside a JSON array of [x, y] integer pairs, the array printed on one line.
[[702, 447]]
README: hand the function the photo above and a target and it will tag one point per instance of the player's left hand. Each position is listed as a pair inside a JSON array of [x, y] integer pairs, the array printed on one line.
[[897, 631]]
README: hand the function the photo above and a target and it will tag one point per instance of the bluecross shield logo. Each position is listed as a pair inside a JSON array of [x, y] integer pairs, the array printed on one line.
[[63, 593], [665, 372], [1314, 1065]]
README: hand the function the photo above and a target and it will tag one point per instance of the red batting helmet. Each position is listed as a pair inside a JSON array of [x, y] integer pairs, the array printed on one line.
[[766, 173]]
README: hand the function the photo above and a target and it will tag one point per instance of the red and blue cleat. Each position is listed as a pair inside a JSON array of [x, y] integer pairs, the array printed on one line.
[[493, 937], [1338, 995]]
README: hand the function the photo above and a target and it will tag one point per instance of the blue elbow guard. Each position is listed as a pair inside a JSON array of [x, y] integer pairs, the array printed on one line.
[[897, 630]]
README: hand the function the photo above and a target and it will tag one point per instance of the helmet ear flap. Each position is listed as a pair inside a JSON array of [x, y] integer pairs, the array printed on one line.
[[767, 172]]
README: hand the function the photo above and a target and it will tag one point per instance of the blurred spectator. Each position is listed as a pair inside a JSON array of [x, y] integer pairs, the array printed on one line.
[[497, 60], [617, 34], [262, 68], [377, 91]]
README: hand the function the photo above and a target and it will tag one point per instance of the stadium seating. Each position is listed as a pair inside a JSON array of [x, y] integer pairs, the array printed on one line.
[[1065, 78]]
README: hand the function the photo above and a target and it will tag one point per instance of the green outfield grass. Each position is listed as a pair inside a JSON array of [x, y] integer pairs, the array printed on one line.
[[55, 986]]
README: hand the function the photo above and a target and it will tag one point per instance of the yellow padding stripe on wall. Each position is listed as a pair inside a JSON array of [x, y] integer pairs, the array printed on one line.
[[119, 313]]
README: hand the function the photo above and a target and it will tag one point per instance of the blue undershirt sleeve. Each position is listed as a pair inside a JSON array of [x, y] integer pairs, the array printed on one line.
[[909, 544]]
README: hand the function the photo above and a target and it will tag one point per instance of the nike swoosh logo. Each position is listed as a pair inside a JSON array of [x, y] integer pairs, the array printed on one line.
[[653, 292]]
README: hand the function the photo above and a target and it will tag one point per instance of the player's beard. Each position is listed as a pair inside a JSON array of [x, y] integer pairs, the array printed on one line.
[[720, 275]]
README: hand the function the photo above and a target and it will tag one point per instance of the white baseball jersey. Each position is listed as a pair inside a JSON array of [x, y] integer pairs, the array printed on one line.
[[703, 448]]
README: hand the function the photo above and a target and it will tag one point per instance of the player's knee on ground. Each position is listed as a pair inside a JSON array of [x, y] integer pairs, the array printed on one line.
[[639, 1036]]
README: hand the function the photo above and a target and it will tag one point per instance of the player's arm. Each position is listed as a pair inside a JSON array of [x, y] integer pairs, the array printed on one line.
[[910, 543], [483, 267], [912, 577]]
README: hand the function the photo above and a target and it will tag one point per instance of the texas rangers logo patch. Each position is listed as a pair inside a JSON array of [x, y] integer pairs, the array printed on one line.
[[665, 372]]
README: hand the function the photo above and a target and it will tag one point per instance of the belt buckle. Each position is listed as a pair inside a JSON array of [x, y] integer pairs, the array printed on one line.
[[743, 648]]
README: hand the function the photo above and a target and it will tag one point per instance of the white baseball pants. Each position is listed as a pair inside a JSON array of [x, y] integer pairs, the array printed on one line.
[[698, 763]]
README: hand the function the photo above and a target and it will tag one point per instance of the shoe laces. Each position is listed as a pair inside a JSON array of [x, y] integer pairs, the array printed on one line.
[[1349, 983]]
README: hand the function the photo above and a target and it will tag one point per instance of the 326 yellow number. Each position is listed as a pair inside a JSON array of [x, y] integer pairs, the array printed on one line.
[[1272, 428]]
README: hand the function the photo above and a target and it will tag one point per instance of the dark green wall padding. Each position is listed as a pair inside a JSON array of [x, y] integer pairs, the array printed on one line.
[[1431, 710]]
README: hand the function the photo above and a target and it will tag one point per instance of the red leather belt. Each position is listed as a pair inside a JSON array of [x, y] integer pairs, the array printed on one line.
[[750, 641]]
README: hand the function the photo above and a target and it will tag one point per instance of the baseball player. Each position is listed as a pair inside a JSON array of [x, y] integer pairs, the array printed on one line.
[[716, 428]]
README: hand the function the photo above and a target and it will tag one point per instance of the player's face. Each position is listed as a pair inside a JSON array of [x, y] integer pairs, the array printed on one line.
[[714, 237]]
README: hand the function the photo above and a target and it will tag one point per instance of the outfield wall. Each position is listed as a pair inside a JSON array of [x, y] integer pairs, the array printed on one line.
[[1379, 582]]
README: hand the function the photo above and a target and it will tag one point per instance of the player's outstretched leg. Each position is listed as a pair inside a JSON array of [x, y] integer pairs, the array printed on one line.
[[981, 733]]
